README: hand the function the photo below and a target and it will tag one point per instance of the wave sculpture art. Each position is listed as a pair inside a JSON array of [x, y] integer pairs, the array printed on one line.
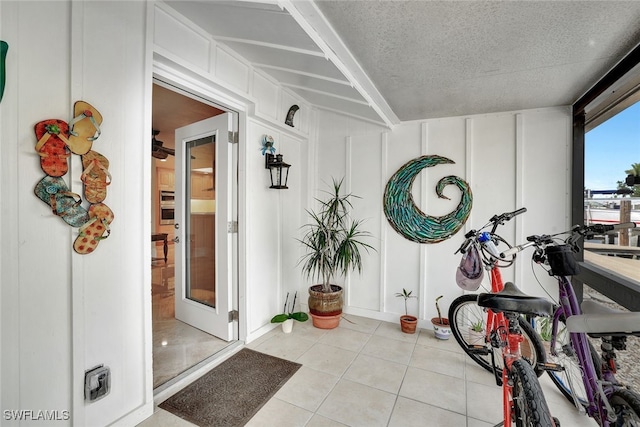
[[408, 220]]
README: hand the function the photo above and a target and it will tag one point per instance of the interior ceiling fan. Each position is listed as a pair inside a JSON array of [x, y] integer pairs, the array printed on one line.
[[157, 149]]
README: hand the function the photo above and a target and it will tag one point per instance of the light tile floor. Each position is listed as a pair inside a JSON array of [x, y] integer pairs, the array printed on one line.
[[368, 373]]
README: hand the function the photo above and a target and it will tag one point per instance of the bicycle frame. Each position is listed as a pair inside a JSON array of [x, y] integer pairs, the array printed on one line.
[[510, 353], [569, 306]]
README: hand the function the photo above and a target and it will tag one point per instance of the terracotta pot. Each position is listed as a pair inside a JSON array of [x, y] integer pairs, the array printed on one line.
[[441, 329], [325, 322], [408, 324], [325, 308]]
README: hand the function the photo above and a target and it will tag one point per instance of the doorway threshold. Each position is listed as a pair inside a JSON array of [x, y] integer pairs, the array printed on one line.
[[168, 389]]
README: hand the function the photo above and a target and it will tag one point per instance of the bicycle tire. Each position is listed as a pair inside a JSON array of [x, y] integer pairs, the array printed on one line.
[[626, 405], [530, 406], [465, 311], [572, 374]]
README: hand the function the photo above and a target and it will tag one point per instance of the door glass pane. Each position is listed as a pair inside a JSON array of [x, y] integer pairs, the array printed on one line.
[[201, 213]]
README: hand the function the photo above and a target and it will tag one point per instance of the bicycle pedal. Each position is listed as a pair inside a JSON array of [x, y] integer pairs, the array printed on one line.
[[478, 349], [547, 366]]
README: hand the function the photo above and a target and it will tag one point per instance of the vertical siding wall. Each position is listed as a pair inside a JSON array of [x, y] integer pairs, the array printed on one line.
[[510, 160], [63, 313]]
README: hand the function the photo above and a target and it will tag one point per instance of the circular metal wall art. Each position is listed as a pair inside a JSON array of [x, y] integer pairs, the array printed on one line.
[[408, 220]]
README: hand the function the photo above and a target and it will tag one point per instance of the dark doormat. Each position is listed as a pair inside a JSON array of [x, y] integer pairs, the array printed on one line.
[[232, 392]]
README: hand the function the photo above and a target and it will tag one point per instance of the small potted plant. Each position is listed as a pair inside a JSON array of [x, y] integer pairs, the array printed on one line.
[[476, 333], [408, 323], [545, 333], [440, 324], [288, 315]]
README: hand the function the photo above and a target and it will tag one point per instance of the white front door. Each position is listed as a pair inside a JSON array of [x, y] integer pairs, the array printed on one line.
[[204, 208]]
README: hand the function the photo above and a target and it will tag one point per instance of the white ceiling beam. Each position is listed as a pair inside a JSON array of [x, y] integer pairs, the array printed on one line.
[[271, 45], [302, 73], [322, 92], [313, 22]]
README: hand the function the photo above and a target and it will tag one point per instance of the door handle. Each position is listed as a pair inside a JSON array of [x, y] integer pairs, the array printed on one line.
[[176, 226], [176, 239]]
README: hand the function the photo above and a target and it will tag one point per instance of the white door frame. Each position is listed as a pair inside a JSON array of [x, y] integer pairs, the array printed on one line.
[[171, 78]]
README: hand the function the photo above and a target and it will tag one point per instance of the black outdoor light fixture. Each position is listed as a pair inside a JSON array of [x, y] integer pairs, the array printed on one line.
[[278, 169]]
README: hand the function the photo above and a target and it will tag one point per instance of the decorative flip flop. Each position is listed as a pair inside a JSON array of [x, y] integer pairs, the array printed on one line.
[[84, 128], [94, 231], [96, 176], [65, 204], [4, 47], [52, 146]]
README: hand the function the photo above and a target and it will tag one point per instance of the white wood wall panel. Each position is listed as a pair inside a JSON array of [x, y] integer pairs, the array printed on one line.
[[289, 204], [493, 178], [274, 218], [446, 137], [545, 187], [266, 94], [72, 312], [231, 70], [404, 145], [181, 40], [36, 308], [114, 304], [366, 154], [263, 225]]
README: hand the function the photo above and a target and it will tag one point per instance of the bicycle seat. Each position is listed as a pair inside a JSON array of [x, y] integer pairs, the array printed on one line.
[[598, 320], [512, 299]]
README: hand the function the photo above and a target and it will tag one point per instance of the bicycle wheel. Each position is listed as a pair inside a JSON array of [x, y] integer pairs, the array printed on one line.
[[464, 312], [626, 405], [571, 377], [530, 406]]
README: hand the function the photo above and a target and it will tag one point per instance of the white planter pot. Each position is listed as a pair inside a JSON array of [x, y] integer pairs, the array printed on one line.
[[442, 331], [287, 326], [476, 338]]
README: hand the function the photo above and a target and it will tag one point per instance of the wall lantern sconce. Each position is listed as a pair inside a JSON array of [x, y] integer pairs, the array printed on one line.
[[278, 169]]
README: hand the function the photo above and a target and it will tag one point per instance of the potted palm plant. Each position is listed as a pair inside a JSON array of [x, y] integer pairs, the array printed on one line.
[[408, 323], [440, 324], [333, 243]]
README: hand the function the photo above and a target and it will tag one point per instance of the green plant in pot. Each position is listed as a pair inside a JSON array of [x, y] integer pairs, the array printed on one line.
[[476, 333], [288, 315], [333, 241], [408, 323]]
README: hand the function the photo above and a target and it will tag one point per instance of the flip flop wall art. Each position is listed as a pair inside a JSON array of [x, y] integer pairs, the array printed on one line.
[[56, 141], [408, 220], [4, 47]]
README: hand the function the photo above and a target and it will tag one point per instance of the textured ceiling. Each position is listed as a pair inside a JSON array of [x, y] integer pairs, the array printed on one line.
[[392, 61], [435, 59]]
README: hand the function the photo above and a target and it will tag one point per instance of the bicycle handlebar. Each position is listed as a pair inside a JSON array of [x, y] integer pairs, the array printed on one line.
[[495, 221], [577, 232], [514, 250]]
